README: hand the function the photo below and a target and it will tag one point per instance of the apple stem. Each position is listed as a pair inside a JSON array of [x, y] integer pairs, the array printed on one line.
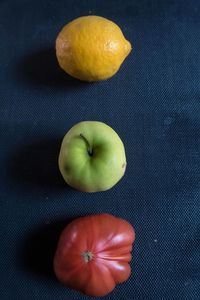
[[89, 148]]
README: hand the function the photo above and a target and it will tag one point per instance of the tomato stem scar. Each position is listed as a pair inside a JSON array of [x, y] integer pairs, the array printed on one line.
[[87, 256]]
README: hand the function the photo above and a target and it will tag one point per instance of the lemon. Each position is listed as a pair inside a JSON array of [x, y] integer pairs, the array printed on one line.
[[91, 48]]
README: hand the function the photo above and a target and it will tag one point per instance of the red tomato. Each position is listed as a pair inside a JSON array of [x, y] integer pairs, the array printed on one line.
[[93, 254]]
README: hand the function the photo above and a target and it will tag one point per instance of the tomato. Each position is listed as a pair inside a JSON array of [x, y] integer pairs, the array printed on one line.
[[93, 254]]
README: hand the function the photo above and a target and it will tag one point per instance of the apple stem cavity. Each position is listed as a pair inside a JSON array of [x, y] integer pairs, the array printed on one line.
[[89, 148]]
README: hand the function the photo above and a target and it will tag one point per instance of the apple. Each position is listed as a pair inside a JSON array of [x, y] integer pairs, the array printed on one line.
[[92, 157]]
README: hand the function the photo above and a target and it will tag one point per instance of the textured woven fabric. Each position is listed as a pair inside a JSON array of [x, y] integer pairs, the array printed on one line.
[[153, 103]]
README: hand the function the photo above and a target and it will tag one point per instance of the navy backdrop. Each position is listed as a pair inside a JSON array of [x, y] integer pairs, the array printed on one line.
[[153, 103]]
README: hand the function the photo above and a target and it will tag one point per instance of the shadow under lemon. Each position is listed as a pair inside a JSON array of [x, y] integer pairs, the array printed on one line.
[[41, 69]]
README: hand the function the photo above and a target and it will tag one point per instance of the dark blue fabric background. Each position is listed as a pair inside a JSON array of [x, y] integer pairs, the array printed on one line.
[[154, 105]]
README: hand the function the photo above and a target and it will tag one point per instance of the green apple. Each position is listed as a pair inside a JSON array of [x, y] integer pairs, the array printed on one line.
[[92, 157]]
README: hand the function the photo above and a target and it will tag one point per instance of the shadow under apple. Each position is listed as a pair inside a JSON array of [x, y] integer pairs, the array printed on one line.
[[36, 165]]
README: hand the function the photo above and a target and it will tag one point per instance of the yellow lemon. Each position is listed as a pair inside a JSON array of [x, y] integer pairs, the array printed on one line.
[[91, 48]]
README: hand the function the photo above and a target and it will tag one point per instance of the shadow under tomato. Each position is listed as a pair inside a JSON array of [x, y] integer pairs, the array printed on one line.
[[37, 251]]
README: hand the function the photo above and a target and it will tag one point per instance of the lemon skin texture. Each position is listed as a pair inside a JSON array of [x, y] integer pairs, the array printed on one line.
[[91, 48], [92, 157]]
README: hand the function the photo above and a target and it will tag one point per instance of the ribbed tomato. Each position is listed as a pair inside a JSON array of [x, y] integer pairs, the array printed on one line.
[[93, 254]]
